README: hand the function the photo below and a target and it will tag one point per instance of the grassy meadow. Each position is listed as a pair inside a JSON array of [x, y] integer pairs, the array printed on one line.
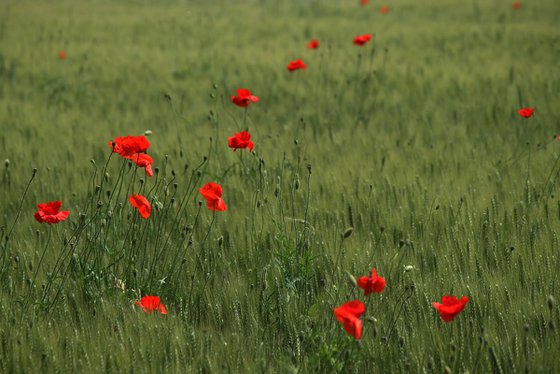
[[406, 155]]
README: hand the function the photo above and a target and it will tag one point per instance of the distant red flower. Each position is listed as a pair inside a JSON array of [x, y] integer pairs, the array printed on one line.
[[362, 39], [212, 192], [516, 5], [526, 112], [296, 64], [240, 140], [244, 98], [50, 213], [313, 44], [127, 146], [349, 314], [364, 2], [384, 9], [150, 304], [143, 161], [142, 204], [450, 306], [557, 137], [62, 55], [372, 283]]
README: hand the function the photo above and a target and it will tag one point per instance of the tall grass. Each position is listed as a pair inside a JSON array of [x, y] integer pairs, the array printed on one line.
[[413, 141]]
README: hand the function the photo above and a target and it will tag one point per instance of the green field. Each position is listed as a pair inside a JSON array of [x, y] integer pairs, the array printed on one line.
[[413, 141]]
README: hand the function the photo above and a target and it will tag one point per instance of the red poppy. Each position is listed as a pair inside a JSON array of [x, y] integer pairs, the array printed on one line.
[[296, 64], [526, 112], [142, 204], [212, 192], [372, 283], [240, 140], [150, 304], [244, 98], [450, 306], [516, 5], [313, 44], [143, 161], [364, 2], [62, 55], [362, 39], [349, 314], [557, 137], [50, 213], [384, 9], [127, 146]]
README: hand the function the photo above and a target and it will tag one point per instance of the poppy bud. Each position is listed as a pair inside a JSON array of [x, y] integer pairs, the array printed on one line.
[[99, 204], [175, 185], [173, 172], [550, 302], [172, 201], [309, 168], [296, 184], [220, 241], [34, 171], [215, 86], [156, 170], [141, 181], [16, 258], [347, 233], [7, 163], [277, 190], [447, 370], [258, 203], [408, 268], [107, 177], [108, 193], [148, 132], [167, 97]]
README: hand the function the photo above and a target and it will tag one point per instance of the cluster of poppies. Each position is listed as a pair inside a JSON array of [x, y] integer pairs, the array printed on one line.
[[134, 148], [359, 40], [349, 313]]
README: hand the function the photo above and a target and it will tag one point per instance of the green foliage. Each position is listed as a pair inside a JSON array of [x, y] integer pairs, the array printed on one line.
[[406, 155]]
